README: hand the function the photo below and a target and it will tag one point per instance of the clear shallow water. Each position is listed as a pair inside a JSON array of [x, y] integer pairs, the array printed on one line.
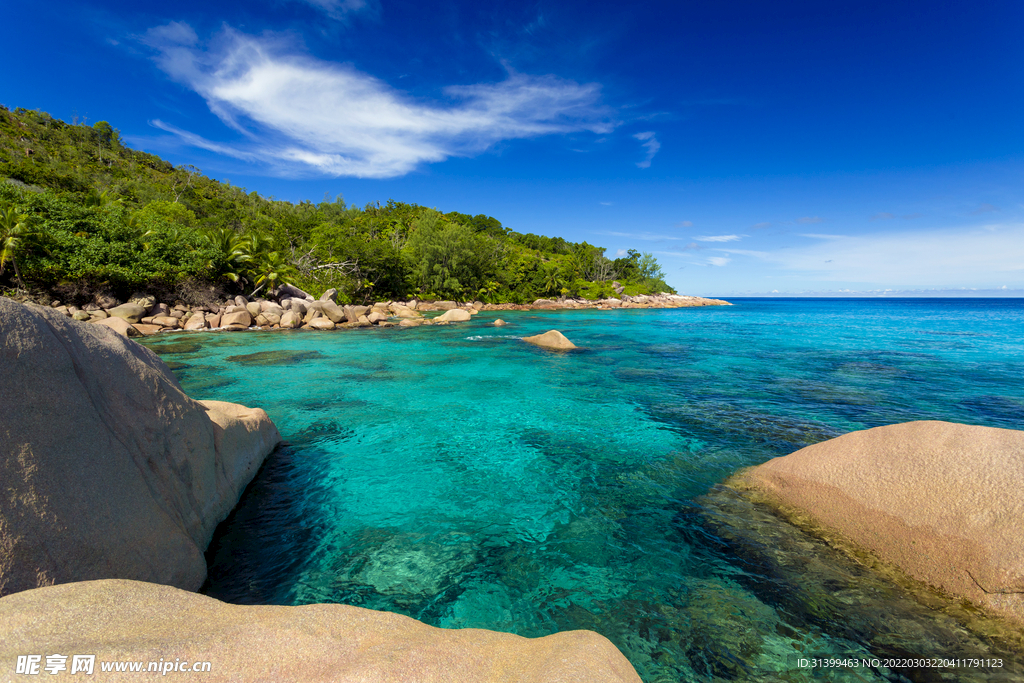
[[465, 478]]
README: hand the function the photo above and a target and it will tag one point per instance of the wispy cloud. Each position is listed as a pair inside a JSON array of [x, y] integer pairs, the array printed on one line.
[[883, 216], [951, 258], [651, 144], [984, 208], [718, 238], [331, 119], [718, 260], [821, 236], [341, 9], [605, 203], [684, 224], [810, 219], [760, 226]]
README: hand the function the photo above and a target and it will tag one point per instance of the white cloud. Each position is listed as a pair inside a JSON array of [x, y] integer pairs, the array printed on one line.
[[938, 258], [651, 144], [810, 219], [330, 118], [718, 260], [718, 238], [340, 9]]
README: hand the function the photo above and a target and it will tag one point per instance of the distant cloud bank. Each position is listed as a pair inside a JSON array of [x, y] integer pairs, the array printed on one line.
[[327, 118]]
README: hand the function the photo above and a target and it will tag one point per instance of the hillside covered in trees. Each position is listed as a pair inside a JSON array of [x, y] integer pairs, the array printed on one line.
[[81, 213]]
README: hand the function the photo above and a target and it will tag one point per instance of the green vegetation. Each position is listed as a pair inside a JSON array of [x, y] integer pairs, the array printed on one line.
[[81, 213]]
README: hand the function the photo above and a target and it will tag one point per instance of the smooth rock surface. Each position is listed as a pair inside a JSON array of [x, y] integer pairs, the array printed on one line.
[[322, 324], [196, 322], [131, 312], [119, 325], [238, 319], [107, 469], [941, 501], [136, 621], [552, 339], [454, 315], [291, 319]]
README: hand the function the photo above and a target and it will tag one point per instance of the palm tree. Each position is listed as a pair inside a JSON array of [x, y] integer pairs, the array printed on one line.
[[272, 268], [16, 233], [553, 280], [234, 250]]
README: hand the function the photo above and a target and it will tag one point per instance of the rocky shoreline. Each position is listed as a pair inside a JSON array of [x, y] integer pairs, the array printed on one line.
[[291, 308]]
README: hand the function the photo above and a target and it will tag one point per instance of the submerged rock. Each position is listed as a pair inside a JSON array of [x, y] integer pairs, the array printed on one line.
[[552, 339], [109, 470], [940, 501], [145, 622]]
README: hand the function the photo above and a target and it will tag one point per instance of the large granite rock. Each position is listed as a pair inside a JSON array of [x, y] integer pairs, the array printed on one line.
[[119, 325], [107, 469], [941, 501], [133, 313], [454, 315], [552, 339], [136, 621]]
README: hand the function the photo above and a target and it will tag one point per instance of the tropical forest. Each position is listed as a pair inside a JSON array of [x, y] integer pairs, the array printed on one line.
[[81, 213]]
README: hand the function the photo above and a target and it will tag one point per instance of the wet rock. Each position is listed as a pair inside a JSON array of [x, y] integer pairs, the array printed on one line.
[[941, 501], [552, 339], [500, 323]]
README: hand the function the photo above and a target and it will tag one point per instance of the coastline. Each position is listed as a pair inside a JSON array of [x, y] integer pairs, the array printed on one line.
[[291, 308]]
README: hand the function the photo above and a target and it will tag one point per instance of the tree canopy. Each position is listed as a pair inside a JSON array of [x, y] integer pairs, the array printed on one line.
[[82, 212]]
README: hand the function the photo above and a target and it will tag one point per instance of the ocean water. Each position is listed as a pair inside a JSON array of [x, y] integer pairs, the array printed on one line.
[[465, 478]]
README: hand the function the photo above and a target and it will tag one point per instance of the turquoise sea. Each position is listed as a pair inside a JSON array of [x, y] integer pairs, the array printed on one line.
[[465, 478]]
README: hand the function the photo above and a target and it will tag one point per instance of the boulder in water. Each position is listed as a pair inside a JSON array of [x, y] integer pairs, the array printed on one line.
[[940, 501], [118, 620], [552, 339], [109, 469]]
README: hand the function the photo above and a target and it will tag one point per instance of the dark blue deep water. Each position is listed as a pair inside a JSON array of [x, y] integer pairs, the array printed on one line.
[[467, 479]]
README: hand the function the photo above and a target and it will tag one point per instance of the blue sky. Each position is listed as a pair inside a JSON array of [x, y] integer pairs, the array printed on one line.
[[754, 147]]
